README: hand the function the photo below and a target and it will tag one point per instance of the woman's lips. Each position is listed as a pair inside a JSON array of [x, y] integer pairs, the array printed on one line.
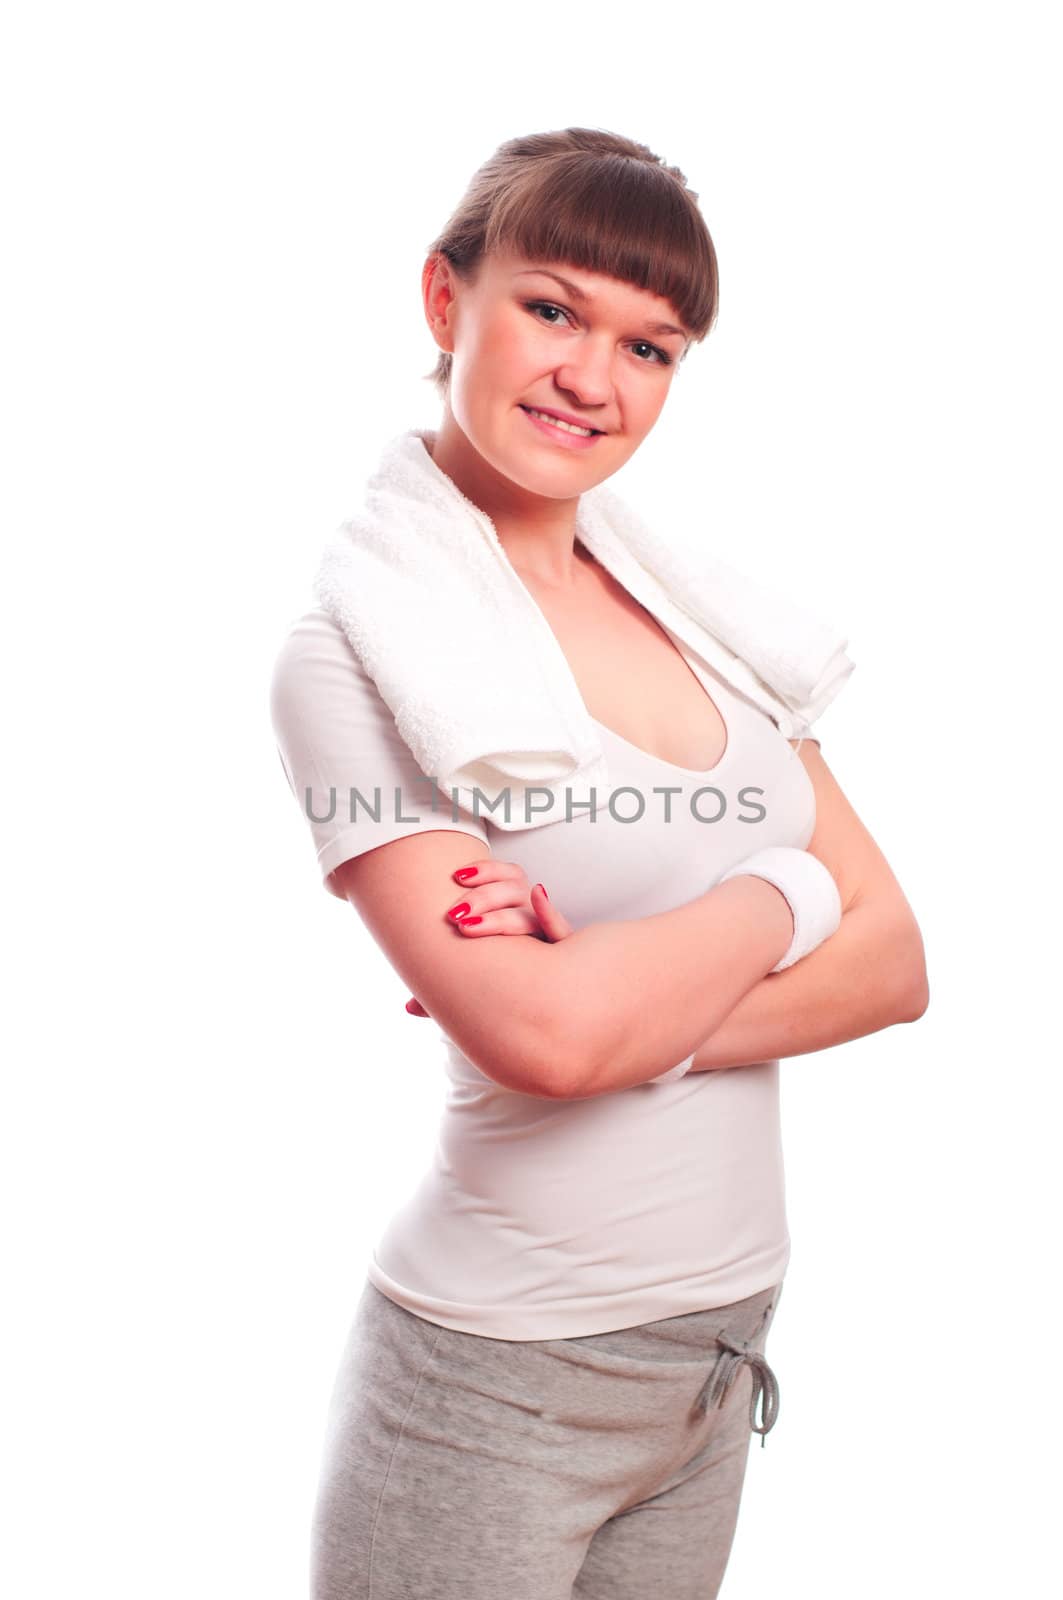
[[562, 436]]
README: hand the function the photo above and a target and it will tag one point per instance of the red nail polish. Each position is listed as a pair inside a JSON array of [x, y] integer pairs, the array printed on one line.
[[467, 922], [465, 872], [542, 886], [457, 912]]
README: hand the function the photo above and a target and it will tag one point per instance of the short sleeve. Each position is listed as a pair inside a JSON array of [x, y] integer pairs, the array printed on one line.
[[673, 1073], [803, 734], [355, 778]]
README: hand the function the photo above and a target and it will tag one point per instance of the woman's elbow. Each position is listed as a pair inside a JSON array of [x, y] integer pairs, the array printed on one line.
[[542, 1056], [916, 999], [914, 996]]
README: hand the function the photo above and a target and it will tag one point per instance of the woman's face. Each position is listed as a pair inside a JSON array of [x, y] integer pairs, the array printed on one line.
[[596, 349]]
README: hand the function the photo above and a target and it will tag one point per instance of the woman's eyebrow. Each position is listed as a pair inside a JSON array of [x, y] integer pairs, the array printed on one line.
[[580, 294]]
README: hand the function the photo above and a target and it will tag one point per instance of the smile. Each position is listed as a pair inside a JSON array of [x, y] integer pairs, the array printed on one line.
[[557, 427]]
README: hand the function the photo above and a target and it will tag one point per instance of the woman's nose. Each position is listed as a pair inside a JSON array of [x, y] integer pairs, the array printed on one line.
[[587, 377]]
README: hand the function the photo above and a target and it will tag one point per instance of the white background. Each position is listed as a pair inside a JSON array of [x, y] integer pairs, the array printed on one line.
[[214, 1098]]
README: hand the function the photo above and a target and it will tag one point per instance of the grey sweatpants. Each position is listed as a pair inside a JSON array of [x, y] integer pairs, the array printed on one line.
[[605, 1467]]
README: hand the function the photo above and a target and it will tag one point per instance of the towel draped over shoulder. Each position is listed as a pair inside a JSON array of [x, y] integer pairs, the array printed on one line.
[[496, 708]]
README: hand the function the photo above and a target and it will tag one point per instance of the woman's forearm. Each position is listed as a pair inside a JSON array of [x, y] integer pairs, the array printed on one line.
[[645, 993], [867, 976]]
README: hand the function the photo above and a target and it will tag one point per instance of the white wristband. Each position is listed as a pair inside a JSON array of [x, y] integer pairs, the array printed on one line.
[[813, 898], [809, 890]]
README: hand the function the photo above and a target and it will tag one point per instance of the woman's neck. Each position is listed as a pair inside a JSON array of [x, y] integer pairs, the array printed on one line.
[[538, 533]]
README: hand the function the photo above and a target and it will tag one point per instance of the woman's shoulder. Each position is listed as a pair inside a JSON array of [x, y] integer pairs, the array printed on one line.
[[320, 690], [315, 654], [315, 633]]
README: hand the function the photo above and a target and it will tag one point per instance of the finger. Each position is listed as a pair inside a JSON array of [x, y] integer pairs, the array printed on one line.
[[492, 870], [507, 892], [553, 923], [415, 1008], [512, 920]]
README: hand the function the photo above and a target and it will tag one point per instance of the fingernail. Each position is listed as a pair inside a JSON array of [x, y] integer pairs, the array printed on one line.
[[458, 911], [542, 886], [467, 922], [465, 872]]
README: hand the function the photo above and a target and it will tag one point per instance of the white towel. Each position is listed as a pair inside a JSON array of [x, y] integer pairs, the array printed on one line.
[[471, 670]]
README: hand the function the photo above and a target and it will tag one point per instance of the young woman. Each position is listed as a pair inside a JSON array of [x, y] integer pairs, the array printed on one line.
[[554, 1366]]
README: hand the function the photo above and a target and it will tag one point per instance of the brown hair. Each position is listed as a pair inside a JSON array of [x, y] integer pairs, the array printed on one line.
[[595, 200]]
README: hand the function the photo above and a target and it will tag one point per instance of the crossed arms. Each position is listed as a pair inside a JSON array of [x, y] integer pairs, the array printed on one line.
[[615, 1004]]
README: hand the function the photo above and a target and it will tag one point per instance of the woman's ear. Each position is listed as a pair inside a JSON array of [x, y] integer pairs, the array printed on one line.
[[438, 290]]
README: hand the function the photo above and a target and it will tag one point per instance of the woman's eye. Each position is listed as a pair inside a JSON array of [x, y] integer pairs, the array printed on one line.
[[545, 305], [662, 356]]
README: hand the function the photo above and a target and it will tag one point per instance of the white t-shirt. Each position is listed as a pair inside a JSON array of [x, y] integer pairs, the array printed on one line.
[[543, 1219]]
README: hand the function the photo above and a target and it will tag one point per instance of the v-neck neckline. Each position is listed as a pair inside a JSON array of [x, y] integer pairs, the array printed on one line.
[[674, 766]]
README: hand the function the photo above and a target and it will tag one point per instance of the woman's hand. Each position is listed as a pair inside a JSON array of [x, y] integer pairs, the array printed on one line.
[[495, 898]]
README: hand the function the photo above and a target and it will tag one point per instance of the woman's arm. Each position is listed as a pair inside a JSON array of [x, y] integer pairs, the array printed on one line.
[[841, 991], [868, 975], [613, 1005]]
